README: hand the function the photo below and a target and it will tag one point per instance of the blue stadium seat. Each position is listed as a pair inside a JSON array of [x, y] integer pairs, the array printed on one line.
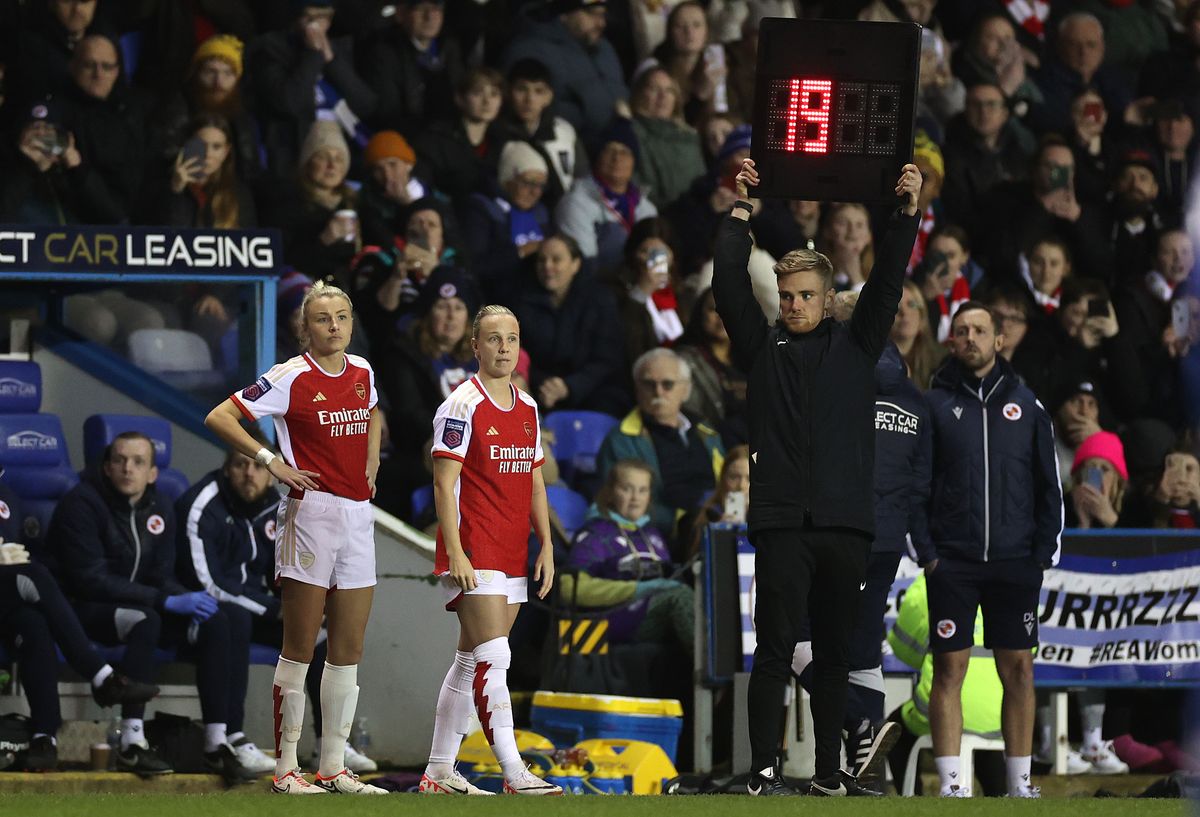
[[422, 500], [33, 453], [101, 429], [570, 507], [577, 439], [20, 387]]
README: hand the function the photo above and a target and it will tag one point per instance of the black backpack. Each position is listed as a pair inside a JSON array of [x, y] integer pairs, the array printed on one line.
[[15, 736]]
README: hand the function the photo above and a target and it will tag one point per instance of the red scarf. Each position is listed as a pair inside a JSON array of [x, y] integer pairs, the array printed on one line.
[[1182, 518], [960, 293], [923, 231], [1030, 15]]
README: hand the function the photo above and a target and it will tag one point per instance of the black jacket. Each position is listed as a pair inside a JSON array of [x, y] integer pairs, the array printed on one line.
[[227, 546], [903, 458], [111, 137], [411, 95], [996, 492], [12, 519], [104, 550], [811, 396]]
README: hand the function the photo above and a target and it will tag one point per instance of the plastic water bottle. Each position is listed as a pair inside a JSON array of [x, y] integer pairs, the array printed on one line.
[[362, 737], [113, 739]]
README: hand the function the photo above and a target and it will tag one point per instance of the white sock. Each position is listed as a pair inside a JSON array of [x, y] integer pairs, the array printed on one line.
[[453, 715], [1018, 773], [235, 737], [493, 704], [339, 699], [133, 731], [948, 771], [214, 736], [53, 740], [1091, 718], [101, 676], [288, 695]]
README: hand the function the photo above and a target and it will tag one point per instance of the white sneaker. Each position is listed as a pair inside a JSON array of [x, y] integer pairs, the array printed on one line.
[[1028, 793], [1076, 764], [294, 783], [955, 790], [1104, 760], [347, 782], [529, 783], [252, 758], [453, 783], [356, 761]]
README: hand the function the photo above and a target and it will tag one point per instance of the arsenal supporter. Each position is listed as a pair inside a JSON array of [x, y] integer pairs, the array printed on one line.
[[324, 406], [487, 488], [112, 544]]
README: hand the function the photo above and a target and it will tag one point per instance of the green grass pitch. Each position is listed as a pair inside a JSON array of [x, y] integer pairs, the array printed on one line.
[[265, 805]]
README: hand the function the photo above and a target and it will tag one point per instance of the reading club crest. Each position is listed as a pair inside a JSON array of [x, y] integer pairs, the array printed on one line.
[[361, 391], [1012, 412], [155, 524], [5, 513], [946, 628], [528, 429]]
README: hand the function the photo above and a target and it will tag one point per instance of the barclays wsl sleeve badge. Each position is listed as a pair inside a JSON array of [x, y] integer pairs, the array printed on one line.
[[452, 433], [257, 390]]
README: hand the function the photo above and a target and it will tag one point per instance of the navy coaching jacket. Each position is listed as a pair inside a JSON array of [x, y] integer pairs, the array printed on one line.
[[903, 457], [996, 492], [227, 546]]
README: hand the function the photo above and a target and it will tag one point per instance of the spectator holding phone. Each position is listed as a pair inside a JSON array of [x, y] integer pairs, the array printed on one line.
[[697, 66], [46, 181], [1093, 145], [1100, 478], [1172, 499], [947, 276], [649, 310], [729, 501], [204, 191]]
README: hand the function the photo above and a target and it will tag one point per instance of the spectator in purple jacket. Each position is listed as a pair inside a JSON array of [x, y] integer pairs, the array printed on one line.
[[618, 543]]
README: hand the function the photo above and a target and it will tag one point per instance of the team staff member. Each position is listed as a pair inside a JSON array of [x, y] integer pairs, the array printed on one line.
[[995, 517], [903, 470], [811, 401], [488, 488], [327, 420]]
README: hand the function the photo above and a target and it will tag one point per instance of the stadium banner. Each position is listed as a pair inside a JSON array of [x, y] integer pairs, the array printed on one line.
[[1121, 607], [78, 248]]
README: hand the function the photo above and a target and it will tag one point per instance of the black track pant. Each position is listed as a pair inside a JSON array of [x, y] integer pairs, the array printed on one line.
[[207, 644], [798, 573], [34, 616]]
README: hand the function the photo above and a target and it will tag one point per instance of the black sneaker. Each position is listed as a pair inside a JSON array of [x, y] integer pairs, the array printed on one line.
[[870, 750], [760, 785], [41, 756], [142, 761], [840, 784], [223, 761], [117, 689]]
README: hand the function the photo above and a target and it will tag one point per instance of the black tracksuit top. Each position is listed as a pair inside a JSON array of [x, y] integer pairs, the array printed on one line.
[[811, 396]]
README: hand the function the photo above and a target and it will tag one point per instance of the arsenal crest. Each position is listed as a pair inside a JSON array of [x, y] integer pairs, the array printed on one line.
[[529, 429], [361, 391]]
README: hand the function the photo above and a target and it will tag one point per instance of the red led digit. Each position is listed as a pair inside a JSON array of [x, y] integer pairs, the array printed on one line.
[[809, 101]]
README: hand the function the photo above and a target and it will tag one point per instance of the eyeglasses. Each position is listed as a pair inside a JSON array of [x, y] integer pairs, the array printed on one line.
[[653, 385]]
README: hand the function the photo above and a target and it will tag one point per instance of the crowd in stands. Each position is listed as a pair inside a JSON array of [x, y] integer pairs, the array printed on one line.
[[572, 159]]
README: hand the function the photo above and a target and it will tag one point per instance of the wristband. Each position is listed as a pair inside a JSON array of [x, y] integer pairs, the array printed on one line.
[[264, 457], [745, 205]]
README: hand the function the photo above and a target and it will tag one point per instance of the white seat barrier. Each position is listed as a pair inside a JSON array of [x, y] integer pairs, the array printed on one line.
[[967, 749]]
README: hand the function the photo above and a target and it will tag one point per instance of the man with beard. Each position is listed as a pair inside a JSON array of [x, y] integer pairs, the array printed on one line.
[[1136, 222], [995, 519]]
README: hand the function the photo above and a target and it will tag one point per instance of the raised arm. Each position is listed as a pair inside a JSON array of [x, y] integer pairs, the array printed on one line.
[[732, 290], [876, 310]]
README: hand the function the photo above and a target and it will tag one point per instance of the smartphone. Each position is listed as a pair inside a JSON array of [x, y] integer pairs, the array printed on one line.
[[1095, 477], [1098, 308], [735, 507], [1181, 318], [1060, 177], [419, 238], [195, 148]]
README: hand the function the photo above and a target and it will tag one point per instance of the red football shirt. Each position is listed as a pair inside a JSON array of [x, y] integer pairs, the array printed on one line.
[[499, 448], [321, 419]]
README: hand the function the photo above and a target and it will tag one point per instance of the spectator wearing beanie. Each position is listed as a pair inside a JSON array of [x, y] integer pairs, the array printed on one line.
[[390, 190], [599, 212], [503, 231], [213, 86], [294, 69], [1100, 478], [315, 210], [420, 367]]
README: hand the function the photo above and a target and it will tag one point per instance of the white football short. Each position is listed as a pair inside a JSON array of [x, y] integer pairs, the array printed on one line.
[[487, 583], [326, 540]]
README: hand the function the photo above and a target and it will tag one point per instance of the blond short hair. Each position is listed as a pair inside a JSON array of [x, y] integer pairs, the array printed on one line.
[[488, 311], [318, 290], [806, 261]]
